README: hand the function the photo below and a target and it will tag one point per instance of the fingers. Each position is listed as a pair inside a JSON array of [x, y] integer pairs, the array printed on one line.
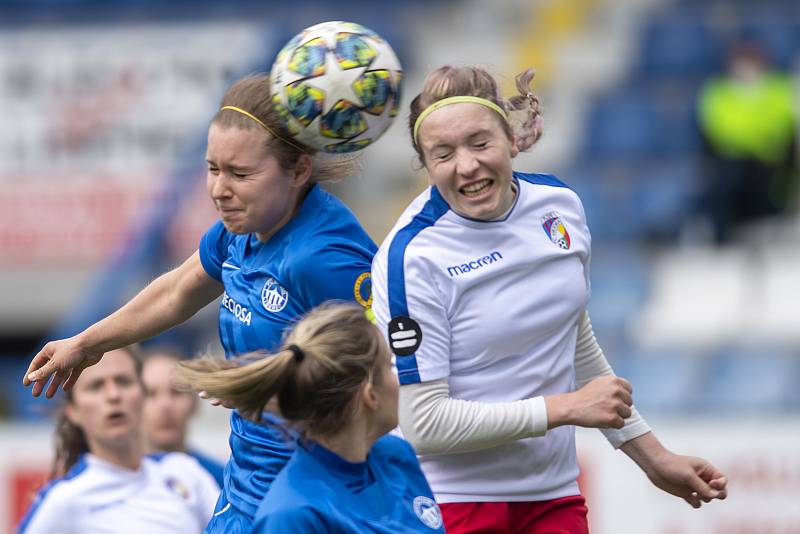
[[625, 385], [211, 400], [40, 367], [693, 500], [57, 380], [73, 377], [721, 486], [38, 387]]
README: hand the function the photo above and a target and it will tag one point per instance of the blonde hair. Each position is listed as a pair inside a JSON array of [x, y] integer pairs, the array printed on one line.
[[253, 94], [315, 376], [448, 81]]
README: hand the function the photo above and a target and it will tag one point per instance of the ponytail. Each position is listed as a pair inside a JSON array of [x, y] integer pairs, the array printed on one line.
[[314, 378], [247, 383]]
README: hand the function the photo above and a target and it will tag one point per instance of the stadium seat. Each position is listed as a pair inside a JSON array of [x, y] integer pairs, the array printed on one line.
[[748, 380]]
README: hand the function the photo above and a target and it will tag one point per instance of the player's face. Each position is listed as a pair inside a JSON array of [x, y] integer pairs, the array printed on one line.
[[468, 157], [166, 410], [388, 390], [107, 402], [250, 189]]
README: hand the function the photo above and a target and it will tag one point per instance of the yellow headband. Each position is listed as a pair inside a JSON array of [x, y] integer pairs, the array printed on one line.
[[263, 125], [455, 100]]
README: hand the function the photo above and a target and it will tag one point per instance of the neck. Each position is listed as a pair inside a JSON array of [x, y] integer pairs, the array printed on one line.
[[352, 443], [151, 448], [288, 216], [128, 456]]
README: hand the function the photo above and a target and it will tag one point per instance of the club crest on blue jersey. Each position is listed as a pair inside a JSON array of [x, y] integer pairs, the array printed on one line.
[[362, 290], [556, 230], [273, 296], [428, 511]]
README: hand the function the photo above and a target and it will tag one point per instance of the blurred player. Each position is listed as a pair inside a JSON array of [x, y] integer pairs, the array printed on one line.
[[482, 288], [283, 245], [101, 480], [167, 411], [333, 382]]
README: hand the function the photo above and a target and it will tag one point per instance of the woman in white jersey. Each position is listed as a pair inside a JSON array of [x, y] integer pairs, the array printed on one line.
[[101, 481], [482, 288]]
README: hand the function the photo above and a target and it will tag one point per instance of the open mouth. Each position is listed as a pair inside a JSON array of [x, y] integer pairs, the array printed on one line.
[[117, 417], [476, 189]]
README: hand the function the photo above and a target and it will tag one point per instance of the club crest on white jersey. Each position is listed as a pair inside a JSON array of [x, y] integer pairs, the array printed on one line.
[[273, 296], [428, 511], [556, 230]]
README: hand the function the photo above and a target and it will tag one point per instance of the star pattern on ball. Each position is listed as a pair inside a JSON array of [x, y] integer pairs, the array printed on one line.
[[339, 82]]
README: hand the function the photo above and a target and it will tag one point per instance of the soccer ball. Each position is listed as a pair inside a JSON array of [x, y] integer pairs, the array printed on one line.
[[337, 86]]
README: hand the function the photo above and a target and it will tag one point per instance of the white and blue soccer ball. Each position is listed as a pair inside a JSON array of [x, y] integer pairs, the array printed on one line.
[[337, 86]]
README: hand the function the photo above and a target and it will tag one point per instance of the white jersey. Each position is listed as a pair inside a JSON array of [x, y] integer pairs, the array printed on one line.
[[169, 493], [491, 306]]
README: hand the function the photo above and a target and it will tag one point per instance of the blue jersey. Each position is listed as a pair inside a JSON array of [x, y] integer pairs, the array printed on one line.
[[321, 254], [319, 492]]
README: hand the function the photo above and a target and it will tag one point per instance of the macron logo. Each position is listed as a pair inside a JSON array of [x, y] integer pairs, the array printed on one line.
[[456, 270]]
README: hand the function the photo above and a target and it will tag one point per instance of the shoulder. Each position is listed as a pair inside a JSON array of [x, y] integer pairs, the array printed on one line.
[[393, 445], [551, 187], [57, 496], [540, 179], [423, 213], [291, 518], [393, 449], [175, 463], [299, 485]]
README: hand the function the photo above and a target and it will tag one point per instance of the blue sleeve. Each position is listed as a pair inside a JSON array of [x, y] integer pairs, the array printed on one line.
[[301, 519], [214, 250], [338, 271]]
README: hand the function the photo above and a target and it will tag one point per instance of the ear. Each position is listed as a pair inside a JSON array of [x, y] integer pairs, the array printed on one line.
[[301, 173], [514, 150], [368, 396], [72, 415]]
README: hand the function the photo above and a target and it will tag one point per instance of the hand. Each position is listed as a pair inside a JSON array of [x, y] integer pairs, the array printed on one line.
[[693, 479], [605, 402], [214, 401], [64, 360]]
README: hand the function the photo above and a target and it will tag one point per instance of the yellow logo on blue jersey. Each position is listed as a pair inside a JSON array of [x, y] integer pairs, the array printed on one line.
[[362, 290]]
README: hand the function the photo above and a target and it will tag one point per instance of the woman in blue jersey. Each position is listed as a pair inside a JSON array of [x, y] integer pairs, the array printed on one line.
[[481, 288], [282, 246], [332, 380], [101, 481]]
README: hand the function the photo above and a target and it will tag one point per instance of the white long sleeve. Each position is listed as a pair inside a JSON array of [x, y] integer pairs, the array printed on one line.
[[590, 363], [436, 424]]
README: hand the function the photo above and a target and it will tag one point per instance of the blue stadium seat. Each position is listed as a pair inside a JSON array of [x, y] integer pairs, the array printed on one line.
[[663, 379], [620, 285], [621, 125], [678, 44], [749, 380], [778, 33]]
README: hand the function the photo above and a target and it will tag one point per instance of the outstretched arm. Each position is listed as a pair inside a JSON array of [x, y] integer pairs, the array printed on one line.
[[166, 302], [693, 479]]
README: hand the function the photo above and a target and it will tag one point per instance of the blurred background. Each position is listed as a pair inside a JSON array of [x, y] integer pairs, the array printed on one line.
[[675, 120]]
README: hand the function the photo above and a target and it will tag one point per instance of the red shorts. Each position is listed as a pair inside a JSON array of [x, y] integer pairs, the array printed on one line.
[[566, 515]]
